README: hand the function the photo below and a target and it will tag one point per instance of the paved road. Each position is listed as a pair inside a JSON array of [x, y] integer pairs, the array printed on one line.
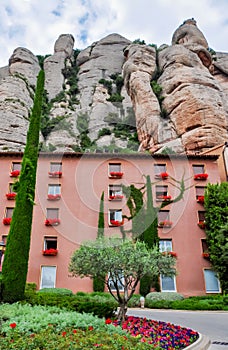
[[214, 324]]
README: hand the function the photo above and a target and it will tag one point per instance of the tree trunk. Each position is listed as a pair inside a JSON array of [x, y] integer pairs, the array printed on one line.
[[122, 313]]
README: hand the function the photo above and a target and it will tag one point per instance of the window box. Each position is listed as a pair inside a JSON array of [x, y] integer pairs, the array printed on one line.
[[164, 198], [55, 174], [116, 223], [11, 195], [200, 199], [202, 224], [7, 221], [165, 224], [201, 176], [15, 173], [116, 197], [115, 174], [205, 255], [173, 254], [162, 176], [50, 252], [52, 222], [54, 197]]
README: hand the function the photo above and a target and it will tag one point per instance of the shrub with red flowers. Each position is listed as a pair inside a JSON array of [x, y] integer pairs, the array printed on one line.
[[7, 221], [203, 176], [52, 222], [54, 197], [15, 173], [11, 195], [55, 174], [116, 174], [162, 176], [50, 251]]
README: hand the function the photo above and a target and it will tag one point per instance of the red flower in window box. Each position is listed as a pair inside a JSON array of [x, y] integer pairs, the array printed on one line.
[[52, 222], [200, 199], [162, 176], [116, 223], [7, 221], [165, 223], [173, 254], [55, 174], [50, 251], [15, 173], [166, 198], [201, 176], [54, 197], [11, 195], [116, 197], [202, 224], [206, 255], [116, 174]]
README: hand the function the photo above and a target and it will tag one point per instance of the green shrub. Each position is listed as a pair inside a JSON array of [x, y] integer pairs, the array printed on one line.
[[62, 291], [169, 296], [160, 304]]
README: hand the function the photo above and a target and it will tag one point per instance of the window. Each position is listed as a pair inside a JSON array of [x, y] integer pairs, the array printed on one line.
[[9, 212], [114, 167], [200, 193], [198, 169], [52, 213], [164, 219], [115, 217], [161, 192], [116, 279], [48, 277], [16, 166], [159, 168], [201, 216], [50, 242], [168, 284], [115, 192], [54, 192], [204, 245], [55, 167], [165, 245], [11, 190], [211, 281]]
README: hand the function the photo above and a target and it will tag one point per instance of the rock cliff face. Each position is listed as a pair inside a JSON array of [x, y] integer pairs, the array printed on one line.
[[175, 97]]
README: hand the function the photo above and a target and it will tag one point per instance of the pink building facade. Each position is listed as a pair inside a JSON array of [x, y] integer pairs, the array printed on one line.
[[68, 192]]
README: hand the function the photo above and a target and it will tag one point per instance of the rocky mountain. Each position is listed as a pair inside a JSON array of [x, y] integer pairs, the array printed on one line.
[[120, 95]]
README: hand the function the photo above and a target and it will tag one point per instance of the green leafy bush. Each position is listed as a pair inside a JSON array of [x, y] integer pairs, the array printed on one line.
[[169, 296], [62, 291]]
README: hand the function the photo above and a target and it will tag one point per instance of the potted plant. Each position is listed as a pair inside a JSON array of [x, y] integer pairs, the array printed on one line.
[[7, 221], [15, 173], [116, 223], [52, 222], [115, 174], [162, 176], [202, 224], [203, 176], [206, 255], [54, 197], [200, 199], [165, 223], [50, 252], [55, 174], [11, 195], [116, 197]]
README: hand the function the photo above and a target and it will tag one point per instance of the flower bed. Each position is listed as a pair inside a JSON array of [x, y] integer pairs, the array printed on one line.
[[115, 174], [162, 176], [52, 222], [50, 252], [11, 195], [55, 174], [201, 176], [7, 221], [116, 223], [165, 224], [15, 173], [54, 197]]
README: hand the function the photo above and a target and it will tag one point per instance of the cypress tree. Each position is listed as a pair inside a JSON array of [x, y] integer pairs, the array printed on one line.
[[98, 284], [15, 266]]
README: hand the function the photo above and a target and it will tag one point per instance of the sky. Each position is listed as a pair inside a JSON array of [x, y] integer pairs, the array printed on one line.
[[37, 24]]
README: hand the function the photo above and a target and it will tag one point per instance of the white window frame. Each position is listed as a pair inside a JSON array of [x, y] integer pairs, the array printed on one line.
[[49, 238], [174, 283], [165, 245], [206, 281], [52, 210], [114, 167], [16, 166], [198, 166], [160, 168], [53, 268], [56, 167], [116, 218], [54, 189]]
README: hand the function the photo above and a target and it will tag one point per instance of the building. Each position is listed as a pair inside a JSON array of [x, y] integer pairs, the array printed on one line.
[[68, 191]]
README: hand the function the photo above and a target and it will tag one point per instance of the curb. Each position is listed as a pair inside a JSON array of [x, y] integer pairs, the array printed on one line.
[[202, 343]]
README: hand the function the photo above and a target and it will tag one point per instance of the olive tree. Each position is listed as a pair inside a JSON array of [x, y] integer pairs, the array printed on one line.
[[120, 264]]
